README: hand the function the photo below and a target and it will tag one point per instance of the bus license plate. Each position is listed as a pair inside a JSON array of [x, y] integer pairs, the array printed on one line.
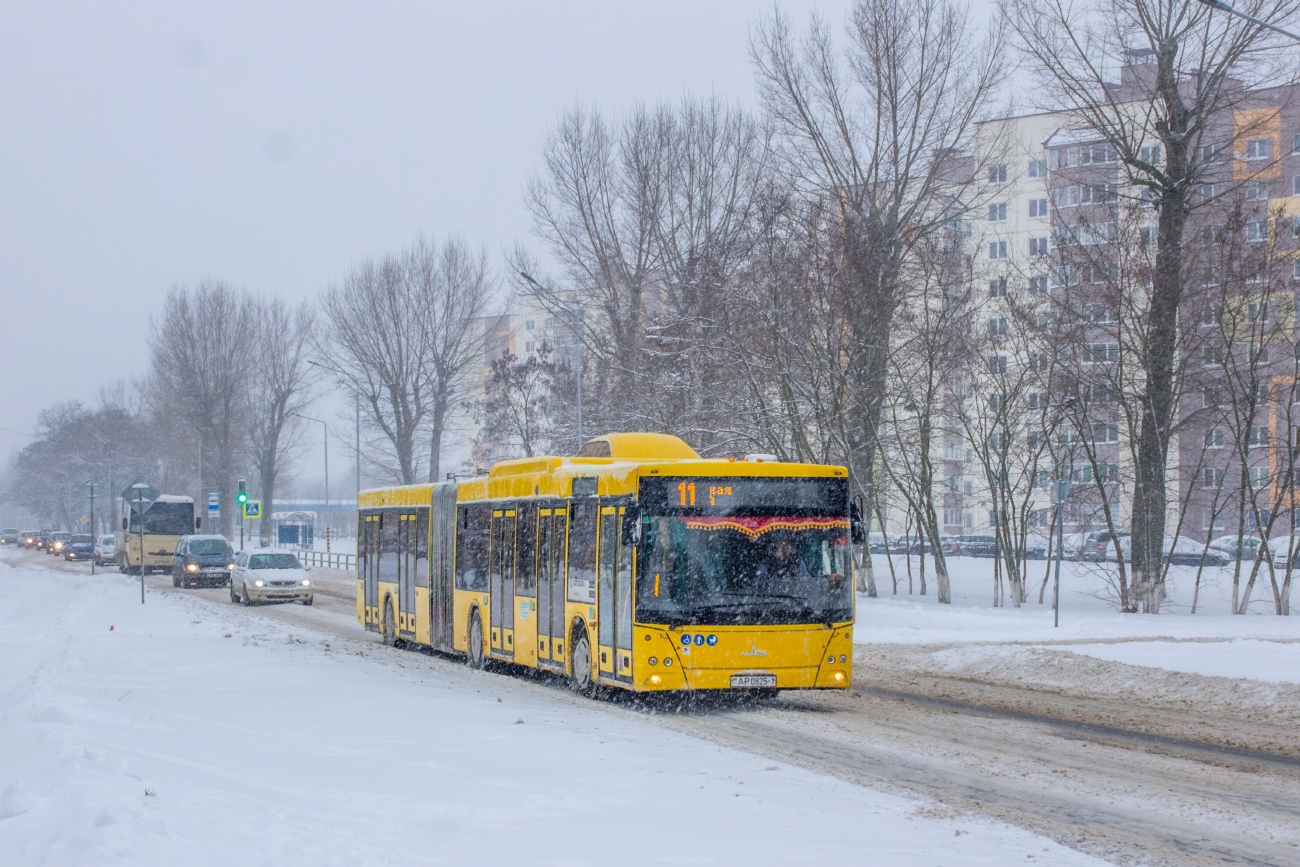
[[753, 680]]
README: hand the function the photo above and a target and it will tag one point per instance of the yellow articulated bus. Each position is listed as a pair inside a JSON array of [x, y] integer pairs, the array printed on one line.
[[636, 565]]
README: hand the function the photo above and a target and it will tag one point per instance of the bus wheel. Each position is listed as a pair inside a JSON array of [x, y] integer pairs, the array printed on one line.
[[390, 628], [580, 653], [475, 655]]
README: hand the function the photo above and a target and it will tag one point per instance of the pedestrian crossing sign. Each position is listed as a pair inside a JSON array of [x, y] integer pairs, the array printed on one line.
[[252, 508]]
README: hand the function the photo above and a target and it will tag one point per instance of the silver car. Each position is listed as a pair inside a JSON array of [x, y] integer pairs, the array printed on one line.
[[270, 575]]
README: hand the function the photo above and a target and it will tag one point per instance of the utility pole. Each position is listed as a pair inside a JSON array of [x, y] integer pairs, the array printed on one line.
[[1224, 7], [325, 428], [94, 534], [139, 515]]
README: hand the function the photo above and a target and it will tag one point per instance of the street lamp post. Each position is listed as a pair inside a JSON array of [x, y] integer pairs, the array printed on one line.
[[1060, 491], [356, 394], [1224, 7]]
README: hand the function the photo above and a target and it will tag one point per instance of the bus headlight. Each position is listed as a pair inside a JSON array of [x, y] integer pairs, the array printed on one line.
[[838, 677], [654, 680]]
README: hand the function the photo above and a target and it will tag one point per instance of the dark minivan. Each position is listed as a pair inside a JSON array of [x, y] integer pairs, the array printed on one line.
[[202, 560]]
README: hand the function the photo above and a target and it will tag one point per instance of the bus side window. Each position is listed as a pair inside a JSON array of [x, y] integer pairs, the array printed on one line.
[[582, 552], [526, 572], [472, 548]]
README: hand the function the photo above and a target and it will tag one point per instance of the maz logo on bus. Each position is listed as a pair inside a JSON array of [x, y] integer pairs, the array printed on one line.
[[699, 640]]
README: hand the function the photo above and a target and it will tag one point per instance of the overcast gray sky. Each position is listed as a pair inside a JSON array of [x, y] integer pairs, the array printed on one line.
[[273, 144]]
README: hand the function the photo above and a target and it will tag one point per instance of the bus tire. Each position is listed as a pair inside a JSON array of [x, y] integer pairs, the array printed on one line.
[[580, 677], [474, 656], [389, 623]]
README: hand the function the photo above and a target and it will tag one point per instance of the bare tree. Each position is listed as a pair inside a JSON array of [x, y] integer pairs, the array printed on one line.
[[872, 128], [403, 333], [1194, 67], [200, 368], [279, 389]]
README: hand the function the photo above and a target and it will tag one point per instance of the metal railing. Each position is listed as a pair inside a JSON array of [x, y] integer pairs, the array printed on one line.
[[347, 562]]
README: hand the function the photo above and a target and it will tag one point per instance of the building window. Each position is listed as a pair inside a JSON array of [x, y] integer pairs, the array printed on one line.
[[952, 517], [1099, 353], [1105, 433], [1259, 149], [1038, 168], [1257, 437], [1295, 145], [998, 326], [1210, 153], [1259, 478], [1038, 209], [1257, 311], [1213, 521], [1038, 246], [1257, 230], [997, 250], [1214, 438], [1257, 191], [998, 174], [998, 212], [997, 364], [998, 287], [528, 325], [1210, 191], [1212, 478], [528, 348], [1151, 154], [1038, 285]]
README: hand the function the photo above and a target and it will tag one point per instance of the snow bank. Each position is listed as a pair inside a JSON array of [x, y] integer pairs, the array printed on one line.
[[179, 732], [1086, 611], [1269, 661]]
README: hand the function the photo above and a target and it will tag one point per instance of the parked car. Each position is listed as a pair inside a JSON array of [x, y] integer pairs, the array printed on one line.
[[1189, 552], [1035, 547], [978, 546], [1100, 546], [58, 541], [877, 543], [80, 546], [105, 550], [202, 560], [1237, 547], [30, 538], [270, 575], [1281, 549], [9, 536]]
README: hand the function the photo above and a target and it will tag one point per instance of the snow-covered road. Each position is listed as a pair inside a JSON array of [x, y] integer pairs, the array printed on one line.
[[184, 731]]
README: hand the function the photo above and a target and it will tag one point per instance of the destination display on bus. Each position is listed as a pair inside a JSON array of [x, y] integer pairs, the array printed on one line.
[[741, 495]]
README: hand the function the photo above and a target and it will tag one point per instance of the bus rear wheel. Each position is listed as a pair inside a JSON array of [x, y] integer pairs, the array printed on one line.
[[390, 626], [580, 680], [474, 655]]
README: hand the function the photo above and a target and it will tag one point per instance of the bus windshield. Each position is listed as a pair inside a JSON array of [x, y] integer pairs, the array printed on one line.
[[165, 519], [762, 570]]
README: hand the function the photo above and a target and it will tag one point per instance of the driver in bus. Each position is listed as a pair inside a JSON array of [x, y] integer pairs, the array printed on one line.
[[781, 563]]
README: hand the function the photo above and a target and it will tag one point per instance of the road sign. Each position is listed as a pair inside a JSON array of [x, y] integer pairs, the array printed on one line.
[[140, 495], [214, 502], [253, 509]]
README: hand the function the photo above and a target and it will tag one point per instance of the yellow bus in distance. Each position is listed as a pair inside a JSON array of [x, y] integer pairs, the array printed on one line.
[[166, 520], [636, 565]]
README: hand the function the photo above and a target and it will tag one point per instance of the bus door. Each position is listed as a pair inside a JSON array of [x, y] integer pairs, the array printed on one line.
[[607, 560], [525, 611], [408, 531], [370, 570], [550, 587], [503, 582], [442, 541]]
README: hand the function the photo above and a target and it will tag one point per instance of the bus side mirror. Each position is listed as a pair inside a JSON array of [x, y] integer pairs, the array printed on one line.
[[632, 526], [123, 523], [198, 522], [857, 528]]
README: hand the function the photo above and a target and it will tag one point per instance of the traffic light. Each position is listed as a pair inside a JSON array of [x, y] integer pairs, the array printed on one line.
[[242, 496]]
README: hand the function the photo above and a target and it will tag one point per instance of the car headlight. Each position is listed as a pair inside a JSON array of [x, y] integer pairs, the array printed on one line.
[[306, 582], [257, 582], [191, 567], [230, 566]]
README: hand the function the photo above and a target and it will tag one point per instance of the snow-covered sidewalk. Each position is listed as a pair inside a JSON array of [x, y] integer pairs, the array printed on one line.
[[179, 732]]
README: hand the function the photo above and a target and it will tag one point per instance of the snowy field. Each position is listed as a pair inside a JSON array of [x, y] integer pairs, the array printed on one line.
[[183, 731]]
